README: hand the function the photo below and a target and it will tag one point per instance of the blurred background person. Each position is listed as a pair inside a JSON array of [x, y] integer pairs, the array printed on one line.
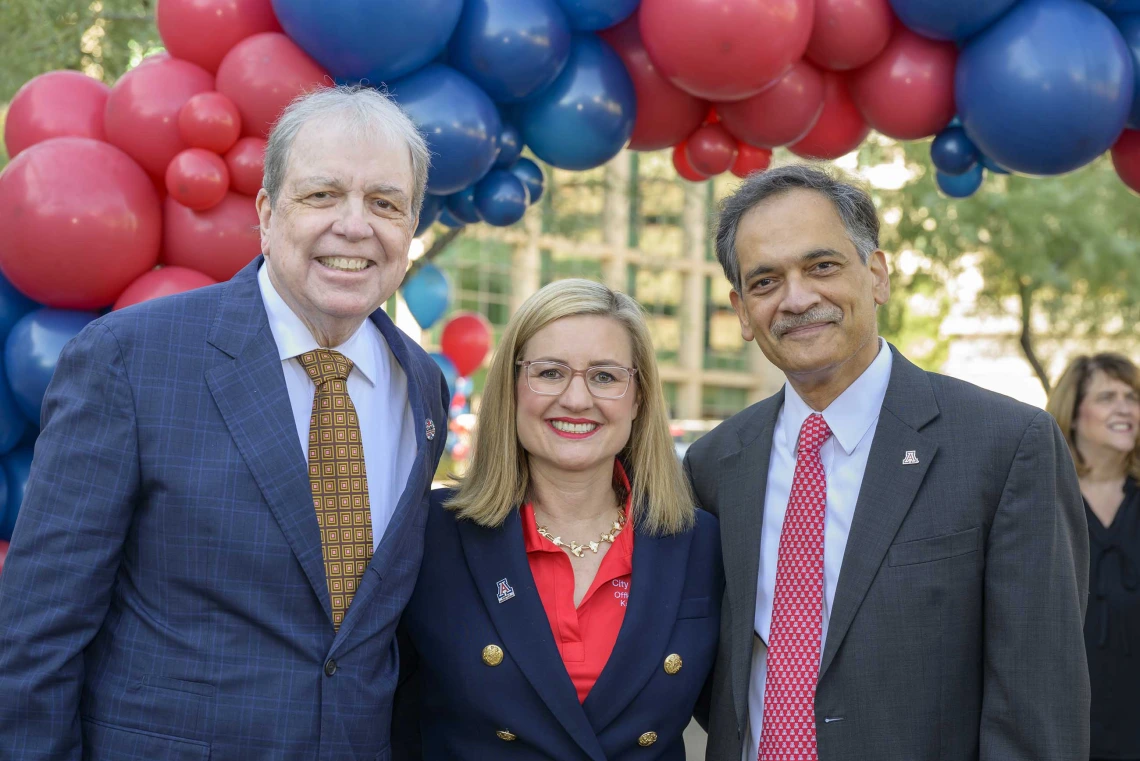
[[568, 602], [1097, 405]]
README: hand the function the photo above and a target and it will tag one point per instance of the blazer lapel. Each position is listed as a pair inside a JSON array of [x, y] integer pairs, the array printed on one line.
[[658, 578], [743, 482], [494, 554], [890, 483], [419, 477], [250, 392]]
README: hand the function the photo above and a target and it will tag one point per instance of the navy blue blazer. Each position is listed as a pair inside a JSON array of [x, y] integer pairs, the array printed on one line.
[[164, 596], [452, 705]]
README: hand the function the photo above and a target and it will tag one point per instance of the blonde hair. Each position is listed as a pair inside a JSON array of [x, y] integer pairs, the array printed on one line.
[[498, 476], [1067, 395]]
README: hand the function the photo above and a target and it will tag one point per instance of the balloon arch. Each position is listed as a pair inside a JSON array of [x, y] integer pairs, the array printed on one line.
[[106, 183]]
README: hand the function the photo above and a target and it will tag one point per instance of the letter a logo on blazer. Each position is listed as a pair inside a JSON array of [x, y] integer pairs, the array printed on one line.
[[505, 591]]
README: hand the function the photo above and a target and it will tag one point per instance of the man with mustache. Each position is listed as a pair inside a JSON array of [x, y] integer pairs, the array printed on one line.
[[905, 554]]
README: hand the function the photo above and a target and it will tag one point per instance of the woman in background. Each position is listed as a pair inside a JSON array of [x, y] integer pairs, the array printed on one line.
[[1097, 405], [568, 603]]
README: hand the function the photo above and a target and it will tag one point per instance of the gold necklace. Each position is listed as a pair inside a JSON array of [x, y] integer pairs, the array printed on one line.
[[577, 548]]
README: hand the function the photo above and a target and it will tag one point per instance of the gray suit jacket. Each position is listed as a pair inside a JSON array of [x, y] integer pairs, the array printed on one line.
[[956, 630]]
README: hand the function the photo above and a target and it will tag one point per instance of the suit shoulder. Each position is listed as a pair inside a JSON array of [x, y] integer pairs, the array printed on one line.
[[734, 430], [177, 313]]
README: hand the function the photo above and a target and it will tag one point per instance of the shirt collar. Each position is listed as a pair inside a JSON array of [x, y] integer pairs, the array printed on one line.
[[852, 413], [294, 339]]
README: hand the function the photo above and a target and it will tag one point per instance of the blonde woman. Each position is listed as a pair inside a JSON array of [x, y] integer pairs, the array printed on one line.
[[569, 599], [1097, 406]]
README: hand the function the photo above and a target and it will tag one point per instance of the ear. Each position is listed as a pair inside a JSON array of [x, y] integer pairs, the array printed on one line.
[[739, 306], [264, 217], [880, 277]]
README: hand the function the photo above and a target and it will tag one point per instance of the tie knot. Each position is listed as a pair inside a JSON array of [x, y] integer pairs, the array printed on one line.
[[813, 433], [324, 365]]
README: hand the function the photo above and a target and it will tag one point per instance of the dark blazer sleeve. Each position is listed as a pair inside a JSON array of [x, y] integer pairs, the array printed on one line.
[[1036, 683], [56, 587]]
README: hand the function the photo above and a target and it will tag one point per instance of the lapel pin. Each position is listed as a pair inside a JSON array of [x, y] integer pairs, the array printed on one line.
[[910, 458], [429, 429], [505, 591]]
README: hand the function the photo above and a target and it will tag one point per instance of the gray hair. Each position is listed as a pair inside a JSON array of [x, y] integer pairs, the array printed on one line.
[[852, 203], [362, 109]]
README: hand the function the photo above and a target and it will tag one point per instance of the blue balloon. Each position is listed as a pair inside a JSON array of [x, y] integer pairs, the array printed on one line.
[[429, 213], [1047, 88], [13, 423], [459, 121], [1117, 6], [510, 147], [952, 152], [960, 185], [16, 464], [13, 306], [32, 350], [586, 117], [462, 206], [501, 198], [992, 165], [510, 48], [427, 295], [531, 175], [592, 15], [375, 41], [447, 367], [949, 19], [1129, 26], [448, 220]]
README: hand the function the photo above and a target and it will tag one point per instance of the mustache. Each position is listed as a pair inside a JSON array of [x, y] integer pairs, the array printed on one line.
[[811, 317]]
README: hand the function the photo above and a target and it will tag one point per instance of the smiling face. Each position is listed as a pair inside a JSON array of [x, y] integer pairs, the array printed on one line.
[[806, 298], [1108, 417], [574, 431], [336, 240]]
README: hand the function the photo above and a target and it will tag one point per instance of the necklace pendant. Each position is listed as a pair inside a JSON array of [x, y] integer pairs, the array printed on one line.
[[576, 549], [594, 546]]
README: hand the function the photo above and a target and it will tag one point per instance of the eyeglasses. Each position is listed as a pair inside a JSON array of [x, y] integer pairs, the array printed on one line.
[[553, 378]]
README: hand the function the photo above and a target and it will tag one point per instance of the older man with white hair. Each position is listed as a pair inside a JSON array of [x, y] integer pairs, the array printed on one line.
[[225, 513]]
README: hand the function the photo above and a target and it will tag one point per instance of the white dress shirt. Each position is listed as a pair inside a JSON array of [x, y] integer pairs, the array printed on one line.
[[378, 388], [852, 418]]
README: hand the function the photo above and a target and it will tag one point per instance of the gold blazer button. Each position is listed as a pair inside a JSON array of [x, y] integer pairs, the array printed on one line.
[[493, 656], [647, 739], [672, 664], [506, 735]]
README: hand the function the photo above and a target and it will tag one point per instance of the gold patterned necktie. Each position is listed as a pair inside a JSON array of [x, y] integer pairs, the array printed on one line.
[[338, 479]]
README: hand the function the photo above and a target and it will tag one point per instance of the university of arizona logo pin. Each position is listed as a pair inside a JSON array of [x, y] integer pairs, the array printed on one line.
[[505, 591], [910, 458], [429, 428]]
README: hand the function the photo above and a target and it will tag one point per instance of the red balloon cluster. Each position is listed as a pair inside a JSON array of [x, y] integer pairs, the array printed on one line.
[[465, 340], [106, 183], [813, 75]]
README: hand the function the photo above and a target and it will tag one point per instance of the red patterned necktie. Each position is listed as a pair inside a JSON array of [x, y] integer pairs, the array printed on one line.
[[788, 732]]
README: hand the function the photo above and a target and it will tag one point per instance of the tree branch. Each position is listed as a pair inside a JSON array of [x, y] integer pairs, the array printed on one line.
[[436, 249], [1025, 293]]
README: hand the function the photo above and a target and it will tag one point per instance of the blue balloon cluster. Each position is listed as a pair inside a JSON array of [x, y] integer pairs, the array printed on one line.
[[428, 295]]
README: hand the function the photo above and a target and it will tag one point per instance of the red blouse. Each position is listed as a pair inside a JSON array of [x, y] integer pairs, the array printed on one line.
[[586, 635]]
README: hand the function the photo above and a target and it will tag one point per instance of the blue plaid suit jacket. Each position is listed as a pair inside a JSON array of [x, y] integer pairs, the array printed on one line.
[[165, 596]]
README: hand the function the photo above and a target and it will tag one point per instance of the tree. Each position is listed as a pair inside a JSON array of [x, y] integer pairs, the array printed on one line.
[[1063, 252]]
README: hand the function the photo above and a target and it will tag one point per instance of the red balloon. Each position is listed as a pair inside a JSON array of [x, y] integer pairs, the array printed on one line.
[[849, 33], [465, 340], [840, 128], [666, 114], [780, 115], [198, 179], [142, 110], [203, 31], [1126, 158], [79, 221], [711, 150], [164, 281], [55, 104], [262, 74], [908, 91], [750, 159], [210, 120], [725, 50], [3, 553], [682, 165], [246, 162], [218, 242]]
